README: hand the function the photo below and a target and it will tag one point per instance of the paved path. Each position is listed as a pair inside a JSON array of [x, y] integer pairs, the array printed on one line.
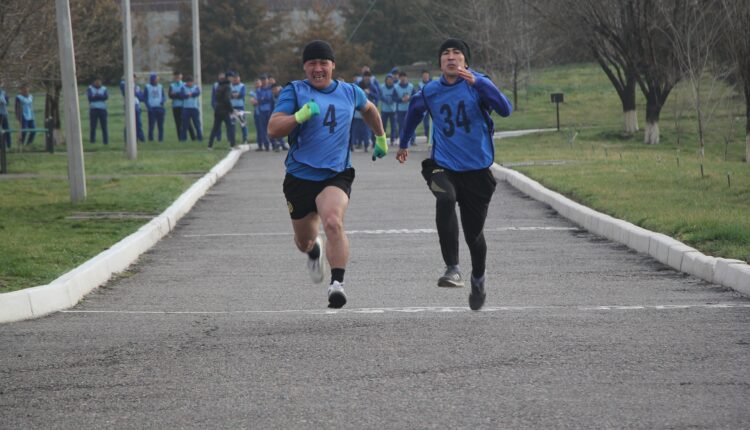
[[218, 326]]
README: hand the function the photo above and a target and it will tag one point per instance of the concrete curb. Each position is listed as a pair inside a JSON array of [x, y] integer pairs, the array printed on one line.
[[734, 274], [67, 290]]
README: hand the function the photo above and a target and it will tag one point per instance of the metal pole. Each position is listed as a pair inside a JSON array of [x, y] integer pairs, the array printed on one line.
[[76, 172], [557, 107], [131, 148], [197, 57], [3, 160]]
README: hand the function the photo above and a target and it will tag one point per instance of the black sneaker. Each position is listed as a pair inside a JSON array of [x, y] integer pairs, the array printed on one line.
[[451, 278], [477, 296]]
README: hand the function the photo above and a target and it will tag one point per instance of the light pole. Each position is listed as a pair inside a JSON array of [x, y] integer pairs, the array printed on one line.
[[73, 142], [131, 148], [197, 57]]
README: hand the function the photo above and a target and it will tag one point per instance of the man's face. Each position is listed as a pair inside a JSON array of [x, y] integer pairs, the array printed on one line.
[[258, 83], [425, 77], [25, 91], [389, 81], [319, 72], [98, 83], [403, 79], [221, 77], [276, 90], [177, 77], [236, 79], [450, 61], [189, 84]]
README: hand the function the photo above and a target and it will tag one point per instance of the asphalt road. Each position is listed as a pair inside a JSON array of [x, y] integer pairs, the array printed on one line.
[[218, 326]]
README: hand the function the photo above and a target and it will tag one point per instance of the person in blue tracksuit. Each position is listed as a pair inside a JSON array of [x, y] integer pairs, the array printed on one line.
[[219, 79], [238, 100], [458, 170], [426, 79], [191, 116], [372, 90], [97, 95], [155, 99], [253, 97], [404, 91], [5, 138], [317, 113], [137, 99], [174, 92], [388, 100], [25, 114], [277, 143], [265, 109]]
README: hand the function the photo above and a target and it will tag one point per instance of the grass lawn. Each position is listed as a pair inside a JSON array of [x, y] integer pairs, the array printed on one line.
[[658, 187]]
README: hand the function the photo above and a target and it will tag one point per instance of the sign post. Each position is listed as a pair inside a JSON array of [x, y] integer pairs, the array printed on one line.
[[557, 98]]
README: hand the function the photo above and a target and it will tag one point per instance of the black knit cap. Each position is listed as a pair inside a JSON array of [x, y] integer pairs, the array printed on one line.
[[457, 44], [318, 50]]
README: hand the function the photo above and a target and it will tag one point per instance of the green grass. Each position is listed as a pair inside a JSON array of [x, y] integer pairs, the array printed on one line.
[[619, 175], [38, 241]]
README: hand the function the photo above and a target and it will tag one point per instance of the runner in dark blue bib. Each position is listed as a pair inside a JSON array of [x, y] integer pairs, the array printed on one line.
[[317, 114], [459, 104]]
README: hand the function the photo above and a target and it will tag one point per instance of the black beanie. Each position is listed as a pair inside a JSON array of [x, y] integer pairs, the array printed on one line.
[[458, 44], [318, 50]]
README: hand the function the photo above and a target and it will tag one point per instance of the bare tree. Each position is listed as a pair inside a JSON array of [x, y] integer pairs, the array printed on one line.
[[737, 40], [694, 33]]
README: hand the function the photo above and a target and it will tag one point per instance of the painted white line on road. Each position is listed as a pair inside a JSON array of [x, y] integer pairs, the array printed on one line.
[[428, 309], [386, 231]]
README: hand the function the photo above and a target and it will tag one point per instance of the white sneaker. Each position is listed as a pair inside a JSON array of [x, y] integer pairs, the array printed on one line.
[[336, 296], [317, 267]]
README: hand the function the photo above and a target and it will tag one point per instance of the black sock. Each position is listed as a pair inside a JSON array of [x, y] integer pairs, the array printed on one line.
[[314, 253], [337, 275]]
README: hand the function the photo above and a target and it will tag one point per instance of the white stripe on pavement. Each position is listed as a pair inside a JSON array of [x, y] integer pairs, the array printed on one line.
[[386, 231], [429, 309]]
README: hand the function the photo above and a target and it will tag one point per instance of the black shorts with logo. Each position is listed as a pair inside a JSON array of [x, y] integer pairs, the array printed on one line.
[[301, 193]]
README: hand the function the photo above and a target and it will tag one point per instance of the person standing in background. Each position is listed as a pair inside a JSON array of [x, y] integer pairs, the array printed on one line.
[[5, 137], [426, 79], [174, 93], [155, 104], [25, 114], [388, 100], [265, 108], [254, 103], [97, 95], [404, 91], [238, 100], [191, 117], [219, 79], [278, 143], [137, 99], [223, 111]]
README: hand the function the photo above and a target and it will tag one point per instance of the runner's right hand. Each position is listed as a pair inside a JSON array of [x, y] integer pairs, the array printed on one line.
[[307, 111]]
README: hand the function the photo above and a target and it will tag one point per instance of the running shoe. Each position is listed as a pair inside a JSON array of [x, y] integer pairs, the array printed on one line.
[[316, 266], [336, 296], [477, 296], [451, 278]]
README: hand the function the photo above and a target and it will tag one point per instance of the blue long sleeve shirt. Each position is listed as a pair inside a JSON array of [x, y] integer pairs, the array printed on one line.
[[458, 128]]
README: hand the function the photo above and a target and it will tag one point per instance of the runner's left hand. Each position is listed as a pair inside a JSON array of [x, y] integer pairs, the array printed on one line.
[[381, 147]]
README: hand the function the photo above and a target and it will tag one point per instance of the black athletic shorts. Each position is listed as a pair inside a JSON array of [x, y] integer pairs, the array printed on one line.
[[473, 188], [300, 193]]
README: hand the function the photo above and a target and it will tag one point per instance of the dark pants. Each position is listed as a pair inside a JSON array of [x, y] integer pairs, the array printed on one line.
[[256, 121], [426, 125], [178, 122], [472, 191], [5, 137], [98, 116], [191, 122], [401, 117], [390, 117], [27, 137], [216, 130], [138, 127], [263, 140], [155, 116]]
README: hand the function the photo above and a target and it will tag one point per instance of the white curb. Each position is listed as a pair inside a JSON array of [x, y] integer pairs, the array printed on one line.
[[67, 290], [729, 273]]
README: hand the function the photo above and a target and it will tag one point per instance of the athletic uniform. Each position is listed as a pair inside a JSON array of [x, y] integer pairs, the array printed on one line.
[[25, 117], [238, 103], [155, 104], [426, 120], [97, 112], [462, 152], [191, 117], [319, 153], [402, 107], [388, 100]]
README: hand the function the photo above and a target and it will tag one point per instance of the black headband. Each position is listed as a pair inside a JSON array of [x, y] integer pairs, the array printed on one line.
[[318, 50]]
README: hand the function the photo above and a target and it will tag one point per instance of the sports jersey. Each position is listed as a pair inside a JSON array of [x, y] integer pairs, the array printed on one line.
[[97, 97], [463, 130], [239, 89], [154, 96], [319, 147], [189, 96], [388, 98], [175, 88], [401, 91]]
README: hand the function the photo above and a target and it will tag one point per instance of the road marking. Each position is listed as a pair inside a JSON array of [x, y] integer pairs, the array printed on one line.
[[386, 231], [429, 309]]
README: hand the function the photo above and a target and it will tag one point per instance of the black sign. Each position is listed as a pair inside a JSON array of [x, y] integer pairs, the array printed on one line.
[[556, 97]]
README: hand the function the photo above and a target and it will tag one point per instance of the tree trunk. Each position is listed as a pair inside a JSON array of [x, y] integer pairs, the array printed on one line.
[[628, 107], [630, 121], [52, 109], [747, 123], [653, 110]]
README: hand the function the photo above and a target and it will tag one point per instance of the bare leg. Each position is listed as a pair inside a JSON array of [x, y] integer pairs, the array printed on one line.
[[306, 231], [332, 203]]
